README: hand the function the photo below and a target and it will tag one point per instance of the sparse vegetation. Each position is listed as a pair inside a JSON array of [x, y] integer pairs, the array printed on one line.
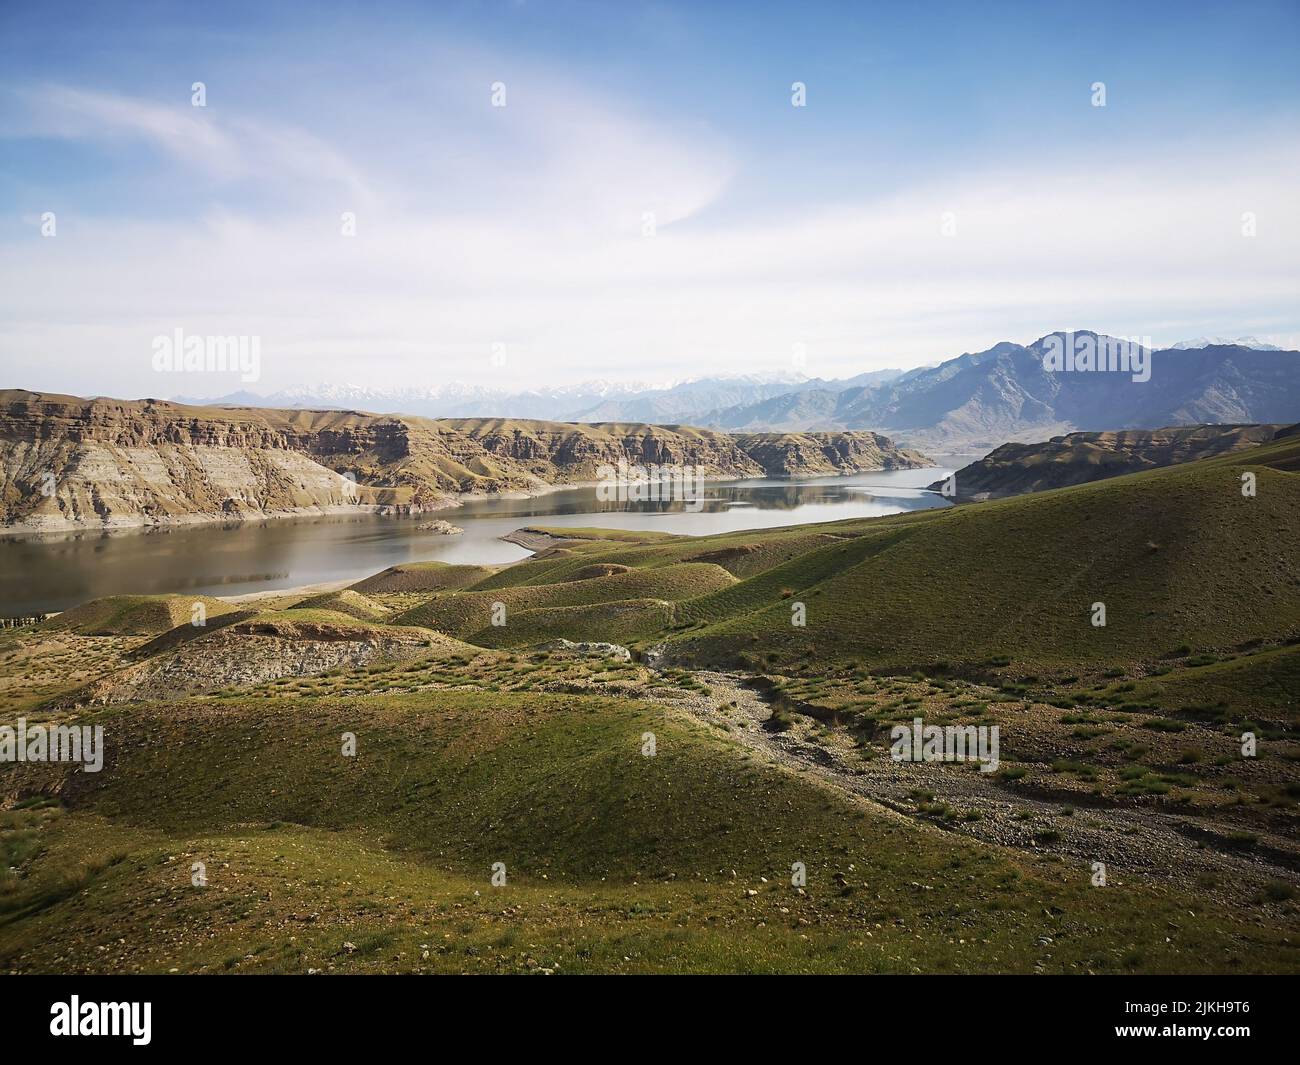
[[474, 746]]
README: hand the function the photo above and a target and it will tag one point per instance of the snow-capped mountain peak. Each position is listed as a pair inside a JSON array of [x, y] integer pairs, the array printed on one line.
[[1242, 342]]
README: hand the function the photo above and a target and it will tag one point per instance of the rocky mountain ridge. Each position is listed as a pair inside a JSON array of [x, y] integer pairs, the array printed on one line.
[[979, 400], [1078, 458]]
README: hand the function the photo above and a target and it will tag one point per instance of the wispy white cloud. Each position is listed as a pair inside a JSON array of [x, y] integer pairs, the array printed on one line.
[[531, 237], [203, 142]]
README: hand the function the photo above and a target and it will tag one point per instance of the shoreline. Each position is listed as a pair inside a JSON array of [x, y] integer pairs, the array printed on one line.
[[66, 528], [319, 588], [520, 532]]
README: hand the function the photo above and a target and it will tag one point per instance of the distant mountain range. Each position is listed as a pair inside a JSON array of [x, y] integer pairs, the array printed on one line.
[[589, 401], [1240, 342], [980, 400], [971, 403]]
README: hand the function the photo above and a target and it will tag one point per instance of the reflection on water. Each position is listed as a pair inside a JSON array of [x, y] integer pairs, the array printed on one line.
[[43, 574]]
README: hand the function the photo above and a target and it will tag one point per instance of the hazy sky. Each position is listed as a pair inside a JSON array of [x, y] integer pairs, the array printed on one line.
[[648, 203]]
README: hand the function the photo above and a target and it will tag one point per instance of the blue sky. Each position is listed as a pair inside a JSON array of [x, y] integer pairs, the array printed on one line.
[[648, 204]]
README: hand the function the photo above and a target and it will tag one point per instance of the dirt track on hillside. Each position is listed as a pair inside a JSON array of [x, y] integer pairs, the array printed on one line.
[[1147, 843]]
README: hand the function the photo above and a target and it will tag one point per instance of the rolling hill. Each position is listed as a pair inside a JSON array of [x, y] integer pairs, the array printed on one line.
[[1178, 555], [726, 802], [1078, 458]]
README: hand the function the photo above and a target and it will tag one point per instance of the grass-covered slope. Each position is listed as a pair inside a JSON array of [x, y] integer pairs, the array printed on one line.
[[552, 784], [229, 753], [464, 613], [1262, 687], [624, 621], [615, 861], [135, 615], [422, 577], [1177, 556], [347, 601], [256, 649], [741, 554]]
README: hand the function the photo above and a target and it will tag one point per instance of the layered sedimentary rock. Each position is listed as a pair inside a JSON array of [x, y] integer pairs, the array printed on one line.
[[68, 463], [804, 454]]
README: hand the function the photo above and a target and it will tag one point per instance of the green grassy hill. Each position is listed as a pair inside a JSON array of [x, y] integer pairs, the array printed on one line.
[[256, 648], [619, 861], [464, 613], [347, 601], [422, 577], [135, 615], [615, 861], [1262, 687], [624, 621], [741, 554], [1178, 556], [321, 623]]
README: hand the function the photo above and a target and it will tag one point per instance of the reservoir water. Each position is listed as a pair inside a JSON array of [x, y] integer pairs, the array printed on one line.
[[47, 573]]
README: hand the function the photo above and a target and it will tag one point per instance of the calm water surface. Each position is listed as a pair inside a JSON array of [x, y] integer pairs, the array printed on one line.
[[47, 573]]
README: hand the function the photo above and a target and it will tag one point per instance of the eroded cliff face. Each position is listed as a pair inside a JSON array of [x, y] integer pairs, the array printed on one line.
[[69, 463], [66, 462], [804, 454], [575, 452]]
